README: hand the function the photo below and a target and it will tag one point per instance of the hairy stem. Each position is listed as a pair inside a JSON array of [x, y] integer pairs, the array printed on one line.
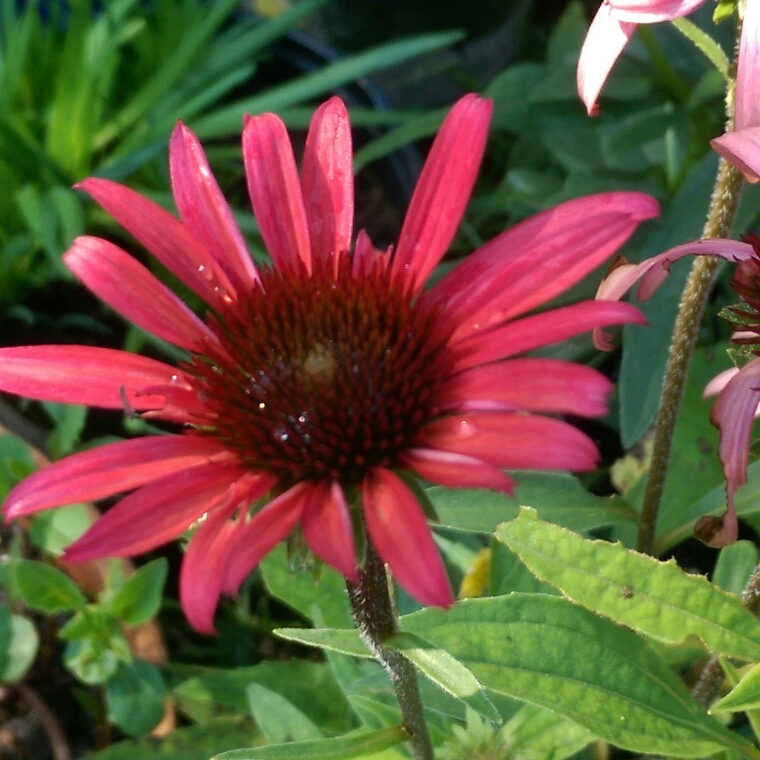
[[376, 620], [723, 205]]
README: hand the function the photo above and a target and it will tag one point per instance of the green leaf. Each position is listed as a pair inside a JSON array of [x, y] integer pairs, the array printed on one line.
[[19, 643], [645, 349], [69, 422], [550, 652], [558, 497], [301, 591], [535, 732], [189, 743], [734, 566], [89, 661], [706, 44], [356, 744], [656, 598], [344, 641], [135, 697], [53, 530], [744, 696], [139, 599], [45, 588], [279, 720], [16, 462], [309, 686], [441, 668], [226, 121], [413, 129]]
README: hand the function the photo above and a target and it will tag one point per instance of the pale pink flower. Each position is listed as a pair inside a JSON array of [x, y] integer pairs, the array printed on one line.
[[738, 390], [741, 147], [313, 390], [611, 28]]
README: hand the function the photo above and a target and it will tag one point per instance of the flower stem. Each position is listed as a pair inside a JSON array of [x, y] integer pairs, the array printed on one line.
[[376, 620], [723, 205]]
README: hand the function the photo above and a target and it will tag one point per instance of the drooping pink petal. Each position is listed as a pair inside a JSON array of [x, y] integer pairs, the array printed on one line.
[[108, 470], [443, 190], [531, 384], [719, 382], [747, 115], [327, 181], [399, 531], [327, 528], [203, 567], [166, 238], [651, 11], [543, 329], [130, 289], [655, 270], [456, 470], [275, 191], [157, 512], [734, 414], [514, 440], [99, 377], [263, 532], [538, 259], [742, 149], [605, 40], [204, 211]]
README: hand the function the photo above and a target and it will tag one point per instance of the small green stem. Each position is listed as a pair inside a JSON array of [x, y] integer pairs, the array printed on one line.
[[376, 619], [720, 218]]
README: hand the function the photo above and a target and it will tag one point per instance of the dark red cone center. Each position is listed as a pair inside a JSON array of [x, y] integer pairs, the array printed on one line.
[[331, 374]]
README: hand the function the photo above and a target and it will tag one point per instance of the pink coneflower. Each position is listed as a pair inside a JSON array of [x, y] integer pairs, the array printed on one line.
[[609, 33], [315, 389], [738, 389], [741, 146]]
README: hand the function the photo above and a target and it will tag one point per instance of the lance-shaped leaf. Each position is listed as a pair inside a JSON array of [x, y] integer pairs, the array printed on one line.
[[656, 598], [744, 696], [345, 641], [437, 664], [443, 669], [352, 745], [550, 652]]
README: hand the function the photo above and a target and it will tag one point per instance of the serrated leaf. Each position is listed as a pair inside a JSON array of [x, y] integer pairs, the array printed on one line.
[[139, 599], [558, 497], [45, 588], [443, 669], [656, 598], [553, 653], [352, 745]]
